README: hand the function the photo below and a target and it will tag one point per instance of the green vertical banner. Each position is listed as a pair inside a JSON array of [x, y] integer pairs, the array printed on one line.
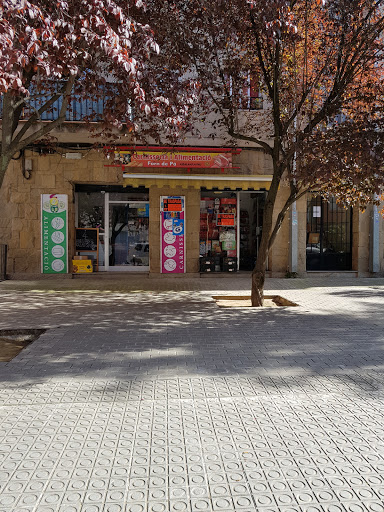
[[54, 233]]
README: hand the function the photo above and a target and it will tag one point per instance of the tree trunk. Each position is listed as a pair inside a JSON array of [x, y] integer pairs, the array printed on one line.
[[258, 273], [6, 135], [4, 163], [257, 295]]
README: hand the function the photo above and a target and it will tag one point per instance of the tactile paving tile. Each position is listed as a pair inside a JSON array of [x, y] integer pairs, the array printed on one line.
[[235, 445], [248, 411]]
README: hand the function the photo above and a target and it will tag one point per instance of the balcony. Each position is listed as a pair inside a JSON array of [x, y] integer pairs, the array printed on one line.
[[79, 109]]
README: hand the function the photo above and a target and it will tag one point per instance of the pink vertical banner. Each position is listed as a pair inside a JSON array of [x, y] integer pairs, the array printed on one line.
[[172, 231]]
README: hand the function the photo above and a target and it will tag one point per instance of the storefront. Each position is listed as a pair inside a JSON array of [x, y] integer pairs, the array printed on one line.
[[220, 217], [198, 212], [230, 229], [142, 218]]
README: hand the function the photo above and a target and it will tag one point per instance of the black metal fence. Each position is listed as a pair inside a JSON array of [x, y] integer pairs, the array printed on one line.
[[329, 235]]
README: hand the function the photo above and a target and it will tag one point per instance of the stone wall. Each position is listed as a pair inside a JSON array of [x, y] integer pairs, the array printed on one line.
[[20, 201], [362, 225]]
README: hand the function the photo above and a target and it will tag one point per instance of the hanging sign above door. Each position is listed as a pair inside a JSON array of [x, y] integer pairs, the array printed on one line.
[[172, 230]]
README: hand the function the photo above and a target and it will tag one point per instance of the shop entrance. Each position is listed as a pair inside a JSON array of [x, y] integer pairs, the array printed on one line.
[[128, 236], [230, 229], [122, 217], [329, 235]]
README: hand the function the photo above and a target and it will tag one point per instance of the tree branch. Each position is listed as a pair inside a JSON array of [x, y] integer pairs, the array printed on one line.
[[267, 77], [52, 124], [36, 116], [293, 196], [255, 140]]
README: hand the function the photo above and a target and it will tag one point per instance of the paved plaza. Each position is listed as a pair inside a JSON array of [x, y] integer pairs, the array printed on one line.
[[144, 396]]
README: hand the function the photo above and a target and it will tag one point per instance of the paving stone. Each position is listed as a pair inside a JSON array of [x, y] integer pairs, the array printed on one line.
[[178, 405]]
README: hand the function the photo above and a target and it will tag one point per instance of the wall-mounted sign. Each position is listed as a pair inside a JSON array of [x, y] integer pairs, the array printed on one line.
[[181, 159], [173, 204], [54, 234], [172, 230], [225, 219]]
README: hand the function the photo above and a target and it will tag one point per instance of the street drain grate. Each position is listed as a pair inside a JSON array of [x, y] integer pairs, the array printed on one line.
[[12, 341]]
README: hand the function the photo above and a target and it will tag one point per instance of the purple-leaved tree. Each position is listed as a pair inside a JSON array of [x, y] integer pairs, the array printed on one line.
[[52, 51], [318, 65]]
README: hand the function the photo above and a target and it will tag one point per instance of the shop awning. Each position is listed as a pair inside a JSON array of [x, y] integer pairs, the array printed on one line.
[[220, 182]]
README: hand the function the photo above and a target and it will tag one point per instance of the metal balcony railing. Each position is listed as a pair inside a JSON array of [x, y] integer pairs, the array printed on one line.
[[79, 110]]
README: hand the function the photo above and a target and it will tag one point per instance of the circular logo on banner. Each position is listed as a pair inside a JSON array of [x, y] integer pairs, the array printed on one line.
[[58, 251], [170, 265], [57, 265], [170, 251], [57, 223], [169, 238], [168, 224], [57, 237], [178, 229]]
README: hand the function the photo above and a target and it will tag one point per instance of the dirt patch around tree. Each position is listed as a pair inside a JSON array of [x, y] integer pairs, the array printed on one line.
[[244, 301], [12, 341]]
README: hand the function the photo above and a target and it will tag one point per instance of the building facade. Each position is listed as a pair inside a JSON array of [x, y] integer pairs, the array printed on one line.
[[170, 210]]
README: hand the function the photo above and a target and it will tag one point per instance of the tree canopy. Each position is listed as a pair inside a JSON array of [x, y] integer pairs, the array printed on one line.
[[53, 51], [317, 66]]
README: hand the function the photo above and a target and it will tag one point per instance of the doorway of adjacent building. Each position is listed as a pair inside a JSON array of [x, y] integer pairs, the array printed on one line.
[[329, 235], [251, 210]]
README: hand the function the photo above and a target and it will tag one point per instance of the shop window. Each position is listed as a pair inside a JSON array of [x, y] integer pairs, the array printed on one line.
[[90, 210], [126, 235], [218, 231]]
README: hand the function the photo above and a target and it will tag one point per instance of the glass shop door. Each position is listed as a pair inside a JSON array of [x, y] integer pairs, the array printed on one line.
[[127, 239]]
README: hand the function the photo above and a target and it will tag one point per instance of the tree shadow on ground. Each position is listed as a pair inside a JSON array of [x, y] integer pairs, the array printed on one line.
[[164, 335]]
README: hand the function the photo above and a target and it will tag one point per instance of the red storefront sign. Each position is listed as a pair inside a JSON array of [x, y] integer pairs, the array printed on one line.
[[225, 219], [182, 159]]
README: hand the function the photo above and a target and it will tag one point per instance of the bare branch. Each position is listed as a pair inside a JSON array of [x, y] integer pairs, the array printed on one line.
[[37, 115], [52, 124], [255, 140], [267, 77], [295, 195]]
